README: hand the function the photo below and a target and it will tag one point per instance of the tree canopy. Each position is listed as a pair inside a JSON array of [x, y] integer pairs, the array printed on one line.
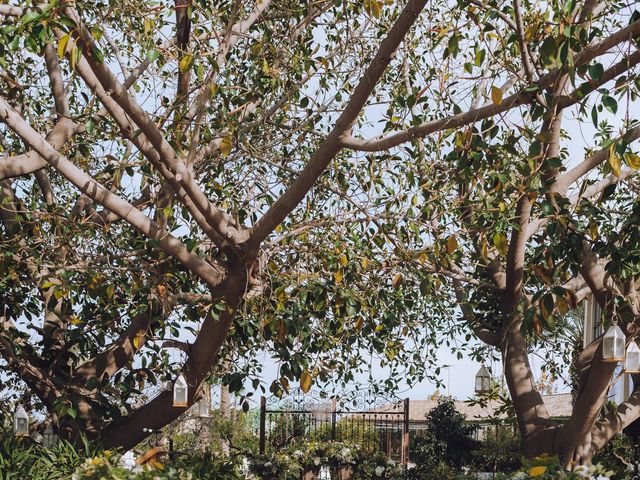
[[184, 185]]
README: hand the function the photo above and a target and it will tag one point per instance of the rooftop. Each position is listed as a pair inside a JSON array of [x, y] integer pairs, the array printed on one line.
[[558, 405]]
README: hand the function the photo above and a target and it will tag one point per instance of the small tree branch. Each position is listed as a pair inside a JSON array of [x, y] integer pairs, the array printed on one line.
[[590, 52], [211, 275]]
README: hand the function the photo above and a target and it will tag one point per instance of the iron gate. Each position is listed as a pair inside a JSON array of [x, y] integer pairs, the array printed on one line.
[[374, 427]]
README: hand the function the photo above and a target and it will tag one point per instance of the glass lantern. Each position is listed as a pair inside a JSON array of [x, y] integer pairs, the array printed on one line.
[[613, 345], [483, 380], [180, 391], [632, 360], [48, 437], [21, 423], [203, 407]]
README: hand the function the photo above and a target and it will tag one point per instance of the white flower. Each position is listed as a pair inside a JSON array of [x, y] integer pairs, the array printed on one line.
[[391, 463], [583, 471], [602, 477], [298, 454], [268, 464], [316, 461], [519, 476], [379, 471]]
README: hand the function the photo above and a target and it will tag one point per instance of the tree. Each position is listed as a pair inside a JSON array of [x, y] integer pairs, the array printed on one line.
[[122, 212], [226, 176], [447, 439]]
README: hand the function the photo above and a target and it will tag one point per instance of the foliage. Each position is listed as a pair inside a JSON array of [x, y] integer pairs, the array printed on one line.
[[22, 458], [446, 442], [351, 431], [620, 456], [499, 450], [198, 466], [312, 456], [277, 177]]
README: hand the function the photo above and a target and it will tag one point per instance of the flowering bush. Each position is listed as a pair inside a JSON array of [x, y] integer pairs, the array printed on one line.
[[378, 467], [548, 468], [198, 466], [279, 466]]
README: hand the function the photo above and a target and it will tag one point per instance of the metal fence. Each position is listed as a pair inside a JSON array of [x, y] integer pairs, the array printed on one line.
[[378, 429]]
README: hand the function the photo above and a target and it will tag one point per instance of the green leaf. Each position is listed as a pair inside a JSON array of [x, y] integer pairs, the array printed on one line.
[[596, 70], [453, 45], [548, 51], [30, 17], [610, 103], [97, 53]]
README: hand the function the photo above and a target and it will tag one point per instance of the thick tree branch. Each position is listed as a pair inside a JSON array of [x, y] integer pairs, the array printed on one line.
[[203, 353], [332, 144], [515, 257], [615, 421], [30, 161]]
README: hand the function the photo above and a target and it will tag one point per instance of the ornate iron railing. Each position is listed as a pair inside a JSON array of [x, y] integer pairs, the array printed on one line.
[[375, 424]]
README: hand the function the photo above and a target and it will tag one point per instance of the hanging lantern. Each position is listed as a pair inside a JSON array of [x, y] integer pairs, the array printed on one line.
[[483, 380], [180, 391], [21, 423], [49, 438], [632, 359], [203, 407], [613, 344]]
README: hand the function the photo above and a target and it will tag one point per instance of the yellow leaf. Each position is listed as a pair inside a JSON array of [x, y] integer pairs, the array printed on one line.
[[500, 242], [225, 146], [285, 383], [632, 160], [338, 276], [75, 320], [496, 95], [484, 250], [542, 273], [148, 25], [344, 261], [62, 45], [111, 290], [214, 90], [73, 58], [185, 63], [397, 280], [137, 342], [452, 244], [359, 323], [305, 381], [373, 7], [562, 306], [614, 160], [364, 262]]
